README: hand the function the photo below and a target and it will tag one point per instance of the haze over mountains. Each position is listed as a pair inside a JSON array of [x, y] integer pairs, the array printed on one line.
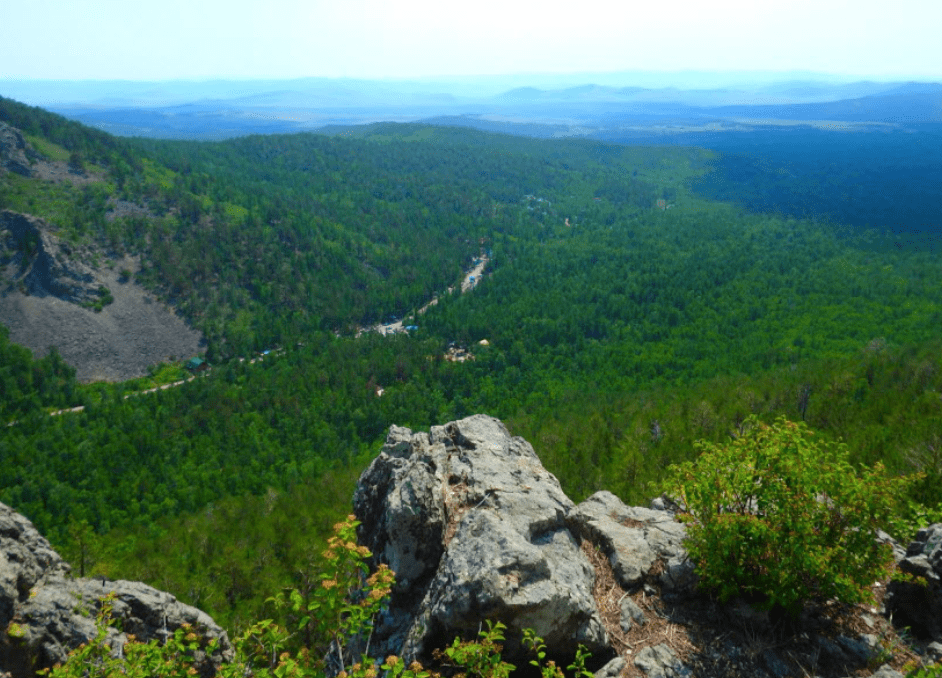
[[590, 105]]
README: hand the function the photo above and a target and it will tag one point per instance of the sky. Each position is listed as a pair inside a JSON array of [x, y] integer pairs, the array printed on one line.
[[149, 40]]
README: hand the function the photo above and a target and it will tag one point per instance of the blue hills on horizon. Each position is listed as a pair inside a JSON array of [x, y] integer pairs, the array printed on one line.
[[218, 109]]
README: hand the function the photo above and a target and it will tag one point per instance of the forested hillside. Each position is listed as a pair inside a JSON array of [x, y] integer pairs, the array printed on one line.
[[29, 385], [620, 318]]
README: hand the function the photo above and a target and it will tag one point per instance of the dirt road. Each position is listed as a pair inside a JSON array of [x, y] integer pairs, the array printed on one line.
[[471, 278]]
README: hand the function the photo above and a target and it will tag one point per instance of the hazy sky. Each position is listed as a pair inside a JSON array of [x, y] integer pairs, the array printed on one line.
[[199, 39]]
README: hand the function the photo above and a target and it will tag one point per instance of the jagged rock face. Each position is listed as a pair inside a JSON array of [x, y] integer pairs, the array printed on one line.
[[25, 557], [13, 151], [35, 260], [644, 546], [924, 555], [55, 613], [918, 604], [475, 528]]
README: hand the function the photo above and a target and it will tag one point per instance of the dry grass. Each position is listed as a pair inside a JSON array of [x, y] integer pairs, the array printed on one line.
[[459, 498], [628, 522], [455, 500], [699, 630], [658, 629]]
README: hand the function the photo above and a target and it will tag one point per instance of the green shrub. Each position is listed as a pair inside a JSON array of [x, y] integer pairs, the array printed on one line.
[[782, 518], [346, 599], [105, 296], [97, 659], [931, 671]]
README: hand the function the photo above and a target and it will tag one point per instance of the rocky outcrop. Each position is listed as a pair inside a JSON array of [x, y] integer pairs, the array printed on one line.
[[924, 555], [37, 262], [14, 152], [44, 613], [917, 603], [644, 546], [475, 528]]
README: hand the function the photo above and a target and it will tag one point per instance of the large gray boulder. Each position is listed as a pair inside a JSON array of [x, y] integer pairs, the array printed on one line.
[[53, 613], [644, 546], [475, 529], [924, 554], [918, 603]]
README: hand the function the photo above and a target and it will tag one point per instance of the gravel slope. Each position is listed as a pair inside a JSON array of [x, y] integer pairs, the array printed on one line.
[[118, 343]]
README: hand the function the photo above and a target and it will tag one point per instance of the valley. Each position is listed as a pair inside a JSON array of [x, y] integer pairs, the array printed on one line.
[[617, 332], [470, 280]]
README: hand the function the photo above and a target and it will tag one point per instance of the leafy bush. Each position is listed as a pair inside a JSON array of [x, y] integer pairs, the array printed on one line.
[[97, 658], [344, 603], [931, 671], [782, 518]]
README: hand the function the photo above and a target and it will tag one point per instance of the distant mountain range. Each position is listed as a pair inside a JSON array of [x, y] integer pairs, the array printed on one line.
[[221, 109]]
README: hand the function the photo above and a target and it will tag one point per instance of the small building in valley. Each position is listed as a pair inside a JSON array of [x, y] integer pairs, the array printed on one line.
[[196, 364]]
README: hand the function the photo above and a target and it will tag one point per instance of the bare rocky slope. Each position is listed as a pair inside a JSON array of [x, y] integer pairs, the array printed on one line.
[[52, 293], [49, 291]]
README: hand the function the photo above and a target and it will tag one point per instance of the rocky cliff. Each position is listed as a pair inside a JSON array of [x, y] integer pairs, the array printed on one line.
[[477, 529], [14, 151], [35, 261], [44, 613]]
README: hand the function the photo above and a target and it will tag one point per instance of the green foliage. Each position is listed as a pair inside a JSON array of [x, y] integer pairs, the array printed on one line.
[[76, 162], [343, 603], [782, 517], [549, 669], [339, 610], [98, 659], [239, 430], [336, 613], [27, 385], [912, 515], [479, 659], [218, 567], [931, 671], [106, 296]]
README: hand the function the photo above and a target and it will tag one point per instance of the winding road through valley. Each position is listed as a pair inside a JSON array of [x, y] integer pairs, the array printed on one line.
[[470, 280]]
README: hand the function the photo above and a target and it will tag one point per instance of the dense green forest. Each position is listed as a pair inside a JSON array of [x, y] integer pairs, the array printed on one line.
[[29, 385], [621, 318], [884, 178]]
